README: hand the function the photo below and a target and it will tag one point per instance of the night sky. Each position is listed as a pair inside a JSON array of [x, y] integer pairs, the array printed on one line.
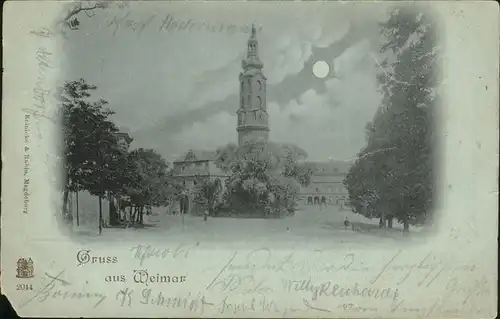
[[175, 90]]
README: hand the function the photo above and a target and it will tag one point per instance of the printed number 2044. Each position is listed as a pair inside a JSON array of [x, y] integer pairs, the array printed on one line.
[[24, 287]]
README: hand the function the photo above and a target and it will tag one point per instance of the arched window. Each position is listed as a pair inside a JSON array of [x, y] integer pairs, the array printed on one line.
[[259, 102], [252, 47], [260, 85], [255, 115], [249, 85]]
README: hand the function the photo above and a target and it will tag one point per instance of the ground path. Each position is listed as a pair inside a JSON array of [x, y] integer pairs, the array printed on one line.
[[310, 223]]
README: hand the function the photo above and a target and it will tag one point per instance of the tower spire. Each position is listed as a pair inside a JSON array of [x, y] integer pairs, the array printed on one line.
[[253, 122], [252, 58]]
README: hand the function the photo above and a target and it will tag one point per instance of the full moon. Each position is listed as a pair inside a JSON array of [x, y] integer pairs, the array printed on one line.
[[321, 69]]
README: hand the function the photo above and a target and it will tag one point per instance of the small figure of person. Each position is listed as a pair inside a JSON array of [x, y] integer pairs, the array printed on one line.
[[184, 203], [205, 215], [346, 223]]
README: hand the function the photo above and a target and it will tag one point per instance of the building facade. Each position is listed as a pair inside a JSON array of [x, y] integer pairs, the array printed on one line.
[[197, 164], [253, 122], [327, 184], [194, 166]]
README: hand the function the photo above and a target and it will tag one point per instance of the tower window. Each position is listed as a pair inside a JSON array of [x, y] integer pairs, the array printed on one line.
[[260, 85], [255, 115], [252, 47], [259, 101]]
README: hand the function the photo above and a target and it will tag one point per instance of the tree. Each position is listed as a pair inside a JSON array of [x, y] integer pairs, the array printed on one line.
[[116, 178], [207, 192], [96, 163], [262, 173], [393, 175], [101, 155], [149, 181], [88, 137]]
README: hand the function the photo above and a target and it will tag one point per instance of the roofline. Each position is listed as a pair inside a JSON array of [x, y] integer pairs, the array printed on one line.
[[194, 161], [321, 182], [200, 175], [326, 161]]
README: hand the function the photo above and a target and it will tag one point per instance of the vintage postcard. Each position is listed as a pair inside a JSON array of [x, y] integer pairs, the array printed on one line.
[[250, 159]]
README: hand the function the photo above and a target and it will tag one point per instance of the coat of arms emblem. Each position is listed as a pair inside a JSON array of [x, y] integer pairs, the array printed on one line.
[[25, 268]]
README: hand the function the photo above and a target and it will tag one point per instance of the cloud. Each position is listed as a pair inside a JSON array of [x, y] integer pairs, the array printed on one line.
[[288, 54], [158, 75], [155, 75], [217, 130], [328, 125], [216, 85], [284, 55], [353, 58]]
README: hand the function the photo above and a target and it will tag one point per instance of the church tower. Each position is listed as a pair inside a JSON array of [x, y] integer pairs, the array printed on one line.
[[252, 113]]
